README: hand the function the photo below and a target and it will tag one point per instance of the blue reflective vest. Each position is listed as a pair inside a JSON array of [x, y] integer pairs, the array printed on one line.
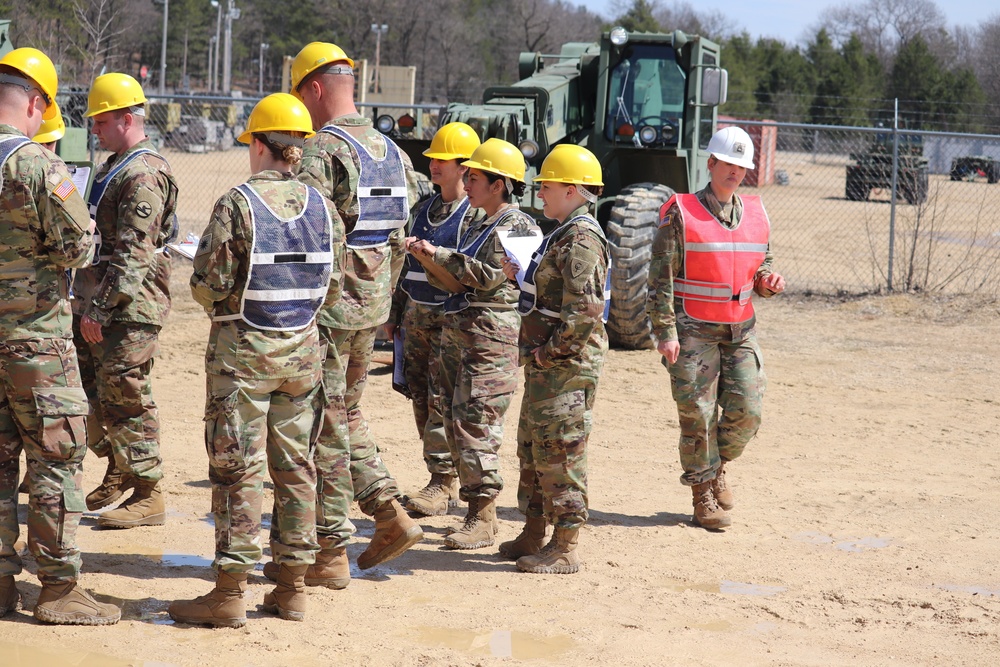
[[527, 301], [382, 198], [469, 247], [7, 148], [290, 264], [97, 191], [445, 234]]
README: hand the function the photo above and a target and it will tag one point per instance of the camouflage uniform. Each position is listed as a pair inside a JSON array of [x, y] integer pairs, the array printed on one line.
[[44, 230], [556, 411], [422, 324], [479, 355], [127, 292], [330, 165], [265, 397], [720, 366]]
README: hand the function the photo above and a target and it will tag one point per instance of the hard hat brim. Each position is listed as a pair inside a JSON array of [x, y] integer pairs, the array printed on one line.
[[748, 164]]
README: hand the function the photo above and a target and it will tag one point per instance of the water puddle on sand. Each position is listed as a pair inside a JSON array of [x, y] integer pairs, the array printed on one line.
[[725, 587], [497, 643], [853, 545], [975, 590], [166, 558], [21, 655]]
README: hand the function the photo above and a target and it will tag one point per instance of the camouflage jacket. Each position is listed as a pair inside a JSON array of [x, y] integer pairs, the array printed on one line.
[[569, 280], [235, 348], [667, 263], [44, 230], [331, 166], [439, 212], [486, 283], [135, 218]]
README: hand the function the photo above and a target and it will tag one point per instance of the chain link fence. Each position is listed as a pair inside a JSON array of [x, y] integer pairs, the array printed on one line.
[[853, 210]]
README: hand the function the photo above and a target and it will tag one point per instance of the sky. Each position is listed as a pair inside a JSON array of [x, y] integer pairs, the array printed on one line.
[[790, 20]]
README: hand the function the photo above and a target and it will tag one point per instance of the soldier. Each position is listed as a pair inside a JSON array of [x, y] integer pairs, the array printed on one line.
[[262, 271], [562, 348], [122, 301], [479, 338], [44, 231], [419, 305], [700, 305], [51, 131], [369, 181]]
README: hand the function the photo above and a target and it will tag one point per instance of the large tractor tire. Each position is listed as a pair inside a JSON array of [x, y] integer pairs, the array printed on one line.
[[631, 226]]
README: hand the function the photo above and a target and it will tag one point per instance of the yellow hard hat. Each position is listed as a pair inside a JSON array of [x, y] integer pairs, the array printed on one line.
[[498, 157], [113, 91], [279, 112], [36, 66], [52, 129], [313, 56], [452, 142], [569, 163]]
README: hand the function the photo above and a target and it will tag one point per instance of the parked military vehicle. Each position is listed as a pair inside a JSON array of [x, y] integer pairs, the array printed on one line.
[[643, 103], [969, 167], [872, 169]]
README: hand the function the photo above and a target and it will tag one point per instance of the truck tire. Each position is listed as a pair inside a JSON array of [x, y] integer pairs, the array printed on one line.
[[992, 172], [855, 189], [631, 226], [914, 186]]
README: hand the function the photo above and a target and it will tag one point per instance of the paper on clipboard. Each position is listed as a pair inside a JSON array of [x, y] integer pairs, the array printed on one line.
[[519, 246], [82, 175], [398, 370], [186, 248]]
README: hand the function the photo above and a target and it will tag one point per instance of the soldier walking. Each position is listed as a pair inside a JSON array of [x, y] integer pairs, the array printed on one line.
[[369, 181], [44, 231], [710, 255], [122, 301], [562, 347], [419, 307], [262, 272]]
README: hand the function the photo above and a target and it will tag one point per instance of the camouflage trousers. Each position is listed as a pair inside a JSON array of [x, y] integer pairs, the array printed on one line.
[[718, 383], [552, 433], [117, 376], [478, 379], [421, 366], [43, 410], [249, 423]]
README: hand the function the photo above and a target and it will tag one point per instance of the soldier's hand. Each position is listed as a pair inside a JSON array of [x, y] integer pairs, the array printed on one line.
[[93, 225], [390, 330], [510, 267], [670, 349], [421, 247], [773, 282], [91, 330]]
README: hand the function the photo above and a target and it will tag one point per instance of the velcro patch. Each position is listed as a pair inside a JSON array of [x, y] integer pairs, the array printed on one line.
[[64, 189]]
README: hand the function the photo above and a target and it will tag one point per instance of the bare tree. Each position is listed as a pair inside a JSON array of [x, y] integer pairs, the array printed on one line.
[[882, 25], [102, 23], [713, 24]]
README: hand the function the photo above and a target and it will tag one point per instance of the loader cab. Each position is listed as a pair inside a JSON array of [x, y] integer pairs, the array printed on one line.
[[646, 92]]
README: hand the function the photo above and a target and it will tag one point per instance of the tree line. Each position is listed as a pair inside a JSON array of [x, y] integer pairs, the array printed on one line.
[[860, 57]]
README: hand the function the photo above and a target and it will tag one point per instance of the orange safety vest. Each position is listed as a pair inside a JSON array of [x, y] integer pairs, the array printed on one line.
[[719, 263]]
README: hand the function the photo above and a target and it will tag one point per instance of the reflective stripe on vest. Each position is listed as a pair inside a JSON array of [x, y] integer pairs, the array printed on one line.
[[469, 247], [720, 263], [528, 301], [382, 195], [290, 264], [97, 191], [444, 235]]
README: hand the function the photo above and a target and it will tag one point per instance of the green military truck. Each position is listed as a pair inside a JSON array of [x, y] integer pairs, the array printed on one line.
[[872, 169], [643, 103], [969, 167]]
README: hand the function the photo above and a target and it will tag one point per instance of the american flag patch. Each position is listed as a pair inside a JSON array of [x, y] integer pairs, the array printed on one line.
[[65, 189]]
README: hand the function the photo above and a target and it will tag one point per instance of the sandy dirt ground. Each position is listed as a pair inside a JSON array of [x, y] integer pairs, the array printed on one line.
[[862, 534]]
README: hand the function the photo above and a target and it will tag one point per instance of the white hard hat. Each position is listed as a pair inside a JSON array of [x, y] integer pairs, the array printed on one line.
[[732, 145]]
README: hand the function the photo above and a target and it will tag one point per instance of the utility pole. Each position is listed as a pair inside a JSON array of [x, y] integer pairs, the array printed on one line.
[[215, 45], [163, 49], [378, 29], [232, 14], [264, 46]]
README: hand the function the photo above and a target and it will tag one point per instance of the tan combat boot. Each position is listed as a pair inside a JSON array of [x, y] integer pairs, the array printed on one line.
[[480, 526], [435, 498], [707, 512], [557, 557], [332, 569], [529, 542], [395, 532], [144, 508], [65, 603], [223, 607], [115, 484], [10, 598], [288, 599], [721, 490]]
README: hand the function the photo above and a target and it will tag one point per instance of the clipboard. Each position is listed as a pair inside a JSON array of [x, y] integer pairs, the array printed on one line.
[[398, 368], [82, 175], [520, 243]]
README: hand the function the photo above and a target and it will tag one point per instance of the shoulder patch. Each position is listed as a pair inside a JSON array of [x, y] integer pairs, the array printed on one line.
[[143, 209], [204, 243], [64, 189]]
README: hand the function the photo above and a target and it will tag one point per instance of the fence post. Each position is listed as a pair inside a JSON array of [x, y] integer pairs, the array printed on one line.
[[892, 195]]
